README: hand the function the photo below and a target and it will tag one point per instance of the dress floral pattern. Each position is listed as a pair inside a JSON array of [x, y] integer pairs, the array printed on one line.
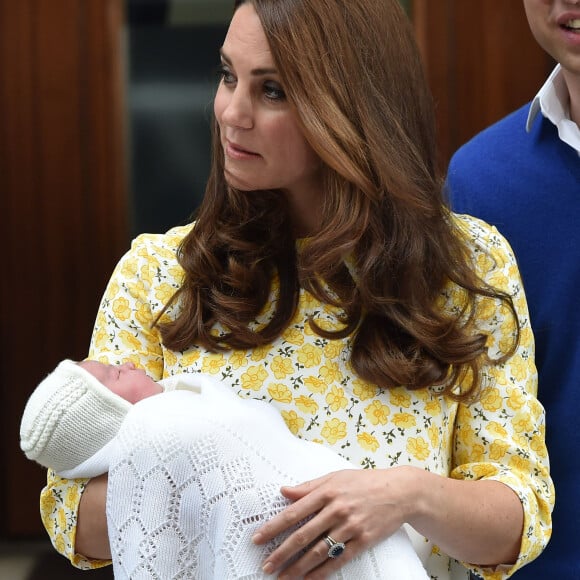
[[309, 380]]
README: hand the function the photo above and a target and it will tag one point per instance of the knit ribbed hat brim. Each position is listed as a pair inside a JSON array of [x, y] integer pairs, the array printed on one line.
[[69, 417]]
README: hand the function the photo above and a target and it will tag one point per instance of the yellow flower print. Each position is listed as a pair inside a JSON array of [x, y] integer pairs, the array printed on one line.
[[72, 498], [170, 359], [477, 454], [521, 439], [467, 435], [363, 390], [522, 423], [418, 448], [404, 420], [497, 450], [538, 445], [60, 543], [129, 268], [482, 470], [433, 407], [520, 463], [113, 289], [100, 337], [498, 280], [484, 262], [154, 367], [333, 349], [491, 399], [47, 503], [486, 308], [260, 352], [176, 272], [368, 441], [189, 358], [254, 378], [122, 309], [377, 413], [143, 314], [336, 399], [536, 408], [164, 292], [293, 336], [507, 329], [306, 404], [315, 385], [308, 356], [129, 340], [496, 429], [238, 359], [143, 251], [334, 430], [213, 363], [61, 518], [526, 337], [330, 373], [308, 331], [400, 398], [165, 253], [294, 422], [281, 367], [145, 272], [433, 433], [519, 368], [280, 392], [516, 399], [136, 287]]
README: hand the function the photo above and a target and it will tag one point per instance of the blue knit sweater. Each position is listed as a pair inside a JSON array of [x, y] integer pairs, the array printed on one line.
[[528, 185]]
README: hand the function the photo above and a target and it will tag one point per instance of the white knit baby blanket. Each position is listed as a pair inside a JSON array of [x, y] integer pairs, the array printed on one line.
[[193, 475]]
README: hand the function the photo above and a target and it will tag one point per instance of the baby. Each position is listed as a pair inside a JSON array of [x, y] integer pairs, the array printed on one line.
[[199, 446], [74, 414]]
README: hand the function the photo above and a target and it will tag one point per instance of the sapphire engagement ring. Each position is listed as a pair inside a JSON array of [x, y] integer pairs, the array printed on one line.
[[335, 549]]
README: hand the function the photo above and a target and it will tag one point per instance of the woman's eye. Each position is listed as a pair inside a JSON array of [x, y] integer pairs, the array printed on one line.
[[226, 75], [274, 92]]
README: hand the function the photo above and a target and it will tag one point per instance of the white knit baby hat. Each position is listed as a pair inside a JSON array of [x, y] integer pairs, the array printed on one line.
[[69, 405]]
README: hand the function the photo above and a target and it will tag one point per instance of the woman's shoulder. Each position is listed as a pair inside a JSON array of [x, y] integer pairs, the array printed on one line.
[[482, 238], [156, 243]]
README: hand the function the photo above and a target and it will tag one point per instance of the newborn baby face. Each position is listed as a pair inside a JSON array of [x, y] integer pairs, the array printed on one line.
[[124, 380]]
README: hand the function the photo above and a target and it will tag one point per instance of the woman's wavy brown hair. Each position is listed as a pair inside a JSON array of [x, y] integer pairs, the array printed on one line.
[[352, 72]]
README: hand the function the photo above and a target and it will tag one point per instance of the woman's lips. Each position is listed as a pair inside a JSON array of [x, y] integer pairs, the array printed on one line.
[[235, 151]]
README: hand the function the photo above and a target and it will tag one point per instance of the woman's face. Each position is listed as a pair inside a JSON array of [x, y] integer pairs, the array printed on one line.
[[264, 147]]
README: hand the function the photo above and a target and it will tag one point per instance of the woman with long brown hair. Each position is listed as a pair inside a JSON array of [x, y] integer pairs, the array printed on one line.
[[325, 274]]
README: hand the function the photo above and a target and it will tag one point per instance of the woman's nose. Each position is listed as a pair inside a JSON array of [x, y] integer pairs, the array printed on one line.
[[239, 110]]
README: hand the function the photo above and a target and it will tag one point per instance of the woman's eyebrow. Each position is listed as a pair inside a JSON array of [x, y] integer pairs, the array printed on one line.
[[253, 72]]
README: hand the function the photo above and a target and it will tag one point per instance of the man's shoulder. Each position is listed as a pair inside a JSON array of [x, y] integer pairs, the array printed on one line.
[[501, 135]]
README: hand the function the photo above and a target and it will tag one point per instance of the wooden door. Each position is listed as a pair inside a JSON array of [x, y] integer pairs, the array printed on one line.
[[62, 205]]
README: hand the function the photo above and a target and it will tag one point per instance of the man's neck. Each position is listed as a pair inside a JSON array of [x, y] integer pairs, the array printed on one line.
[[573, 84]]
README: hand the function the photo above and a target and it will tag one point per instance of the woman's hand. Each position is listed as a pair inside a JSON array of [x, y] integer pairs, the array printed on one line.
[[478, 522], [357, 507]]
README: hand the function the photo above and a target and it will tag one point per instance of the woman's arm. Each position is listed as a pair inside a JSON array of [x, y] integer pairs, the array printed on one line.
[[91, 537], [473, 521], [479, 522]]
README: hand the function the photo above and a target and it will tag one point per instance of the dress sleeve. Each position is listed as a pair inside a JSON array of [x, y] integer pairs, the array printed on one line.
[[502, 435], [141, 284]]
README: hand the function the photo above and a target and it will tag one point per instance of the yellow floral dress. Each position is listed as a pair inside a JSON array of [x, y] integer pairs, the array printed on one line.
[[310, 381]]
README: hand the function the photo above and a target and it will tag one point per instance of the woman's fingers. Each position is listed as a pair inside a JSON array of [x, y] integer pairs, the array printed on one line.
[[357, 508]]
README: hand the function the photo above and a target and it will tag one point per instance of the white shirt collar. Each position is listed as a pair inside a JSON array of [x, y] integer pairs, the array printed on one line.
[[553, 102]]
